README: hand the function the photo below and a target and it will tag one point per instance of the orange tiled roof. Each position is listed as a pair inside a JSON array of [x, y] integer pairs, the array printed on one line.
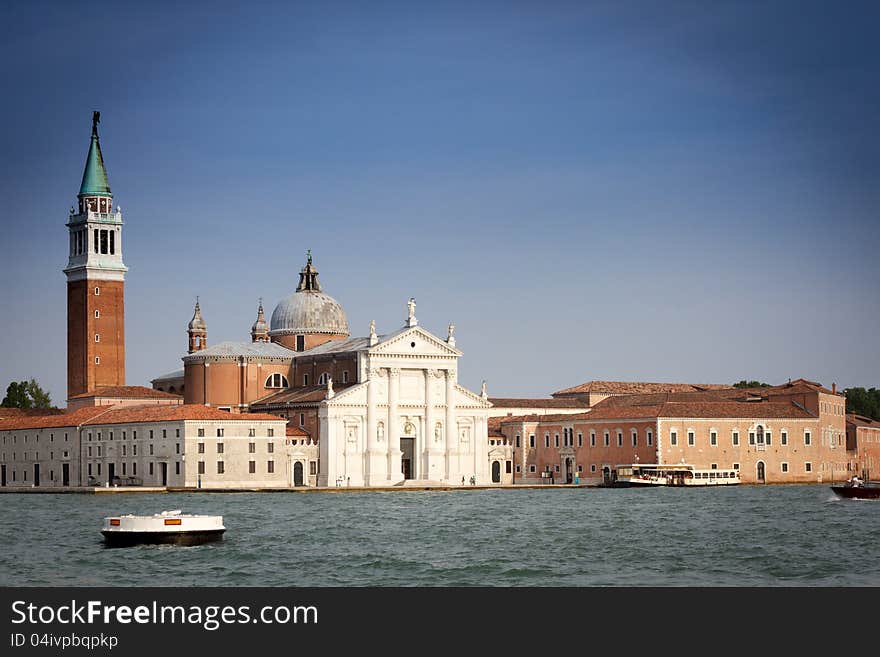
[[73, 419], [170, 413], [638, 387], [126, 392], [504, 402], [734, 409], [303, 395], [28, 412], [296, 431], [862, 421]]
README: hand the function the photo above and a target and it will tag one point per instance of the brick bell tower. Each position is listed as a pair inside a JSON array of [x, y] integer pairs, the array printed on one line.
[[95, 282]]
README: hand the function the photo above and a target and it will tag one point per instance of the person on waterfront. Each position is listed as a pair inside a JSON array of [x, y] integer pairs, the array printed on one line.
[[473, 480], [462, 480], [855, 481]]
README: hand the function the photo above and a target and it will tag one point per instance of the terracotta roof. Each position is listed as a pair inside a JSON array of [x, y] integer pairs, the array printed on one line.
[[549, 418], [131, 414], [862, 421], [799, 386], [295, 431], [28, 412], [504, 402], [734, 409], [126, 392], [75, 418], [307, 394], [638, 387]]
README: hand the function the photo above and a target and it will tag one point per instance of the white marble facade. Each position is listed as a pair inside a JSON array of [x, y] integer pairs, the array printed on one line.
[[407, 419]]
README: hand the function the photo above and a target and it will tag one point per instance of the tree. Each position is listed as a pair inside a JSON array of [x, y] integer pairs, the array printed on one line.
[[26, 394], [863, 402], [751, 384]]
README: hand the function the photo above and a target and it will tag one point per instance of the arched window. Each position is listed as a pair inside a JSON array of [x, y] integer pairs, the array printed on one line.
[[322, 380], [759, 435], [276, 380]]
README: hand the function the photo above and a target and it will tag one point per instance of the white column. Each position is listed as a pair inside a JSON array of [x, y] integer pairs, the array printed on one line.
[[432, 469], [375, 461], [392, 430], [451, 430]]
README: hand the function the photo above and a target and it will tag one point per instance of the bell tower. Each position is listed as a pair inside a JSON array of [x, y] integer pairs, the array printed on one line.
[[95, 282]]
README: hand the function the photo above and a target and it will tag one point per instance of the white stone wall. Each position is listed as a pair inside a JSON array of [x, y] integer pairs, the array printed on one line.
[[49, 449]]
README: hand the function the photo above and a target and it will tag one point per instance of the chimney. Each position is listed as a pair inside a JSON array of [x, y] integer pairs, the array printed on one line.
[[834, 388]]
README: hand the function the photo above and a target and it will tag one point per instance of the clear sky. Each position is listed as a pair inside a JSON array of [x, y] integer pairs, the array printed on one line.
[[672, 191]]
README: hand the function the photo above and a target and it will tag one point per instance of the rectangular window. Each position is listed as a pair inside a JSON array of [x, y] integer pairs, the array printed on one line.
[[313, 467], [673, 438], [164, 433], [134, 450], [252, 433], [270, 467], [252, 467], [607, 439], [220, 467], [518, 468], [219, 433], [713, 438], [134, 469], [219, 448], [635, 439], [252, 448], [112, 242], [517, 440], [302, 419], [123, 467], [90, 469], [768, 437], [751, 437], [557, 440], [270, 432], [123, 435], [104, 248], [735, 437], [580, 439], [301, 346], [270, 448], [556, 468], [134, 434], [592, 439], [783, 438], [305, 379], [201, 433], [201, 448], [546, 440], [201, 467], [807, 437], [691, 439], [736, 466], [123, 450], [620, 439], [97, 250], [592, 467], [151, 434], [151, 468], [532, 441], [531, 468], [151, 449], [177, 433], [808, 467], [650, 438], [177, 448], [785, 467]]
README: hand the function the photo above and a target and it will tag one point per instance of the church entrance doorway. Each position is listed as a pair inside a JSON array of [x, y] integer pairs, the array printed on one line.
[[111, 473], [496, 472], [298, 473], [407, 447]]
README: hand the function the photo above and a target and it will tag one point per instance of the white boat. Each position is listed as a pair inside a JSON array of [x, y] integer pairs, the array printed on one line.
[[684, 474], [171, 527]]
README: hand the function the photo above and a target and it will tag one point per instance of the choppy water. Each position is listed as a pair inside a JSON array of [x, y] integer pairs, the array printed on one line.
[[743, 536]]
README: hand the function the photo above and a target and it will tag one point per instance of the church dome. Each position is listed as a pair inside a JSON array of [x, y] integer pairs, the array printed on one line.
[[308, 310]]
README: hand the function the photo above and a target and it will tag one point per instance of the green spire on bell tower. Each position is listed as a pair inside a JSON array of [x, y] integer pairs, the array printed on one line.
[[94, 182]]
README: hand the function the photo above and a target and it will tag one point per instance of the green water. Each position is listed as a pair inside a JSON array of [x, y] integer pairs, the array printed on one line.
[[731, 536]]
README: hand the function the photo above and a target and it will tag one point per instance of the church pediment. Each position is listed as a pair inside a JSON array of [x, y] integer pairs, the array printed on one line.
[[414, 341], [467, 398]]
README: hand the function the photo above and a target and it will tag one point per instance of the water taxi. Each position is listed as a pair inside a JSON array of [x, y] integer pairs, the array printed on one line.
[[652, 474], [856, 489], [172, 527]]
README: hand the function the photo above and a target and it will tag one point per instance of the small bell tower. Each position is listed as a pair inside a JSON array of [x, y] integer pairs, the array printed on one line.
[[197, 330], [260, 329]]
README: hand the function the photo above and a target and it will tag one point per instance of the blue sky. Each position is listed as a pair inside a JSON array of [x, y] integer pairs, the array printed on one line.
[[677, 191]]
